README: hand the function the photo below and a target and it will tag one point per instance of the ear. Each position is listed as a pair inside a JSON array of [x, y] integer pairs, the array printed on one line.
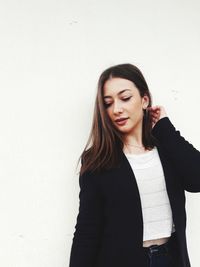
[[145, 101]]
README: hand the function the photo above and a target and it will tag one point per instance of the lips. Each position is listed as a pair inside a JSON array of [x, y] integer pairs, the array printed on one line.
[[121, 121]]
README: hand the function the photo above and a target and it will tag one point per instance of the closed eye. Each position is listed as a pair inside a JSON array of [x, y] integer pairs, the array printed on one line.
[[123, 99], [107, 105], [126, 99]]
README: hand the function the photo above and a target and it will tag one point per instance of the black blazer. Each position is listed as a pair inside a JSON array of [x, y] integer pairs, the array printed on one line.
[[109, 228]]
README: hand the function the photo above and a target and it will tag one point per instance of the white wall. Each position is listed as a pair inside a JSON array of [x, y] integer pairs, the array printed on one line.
[[52, 53]]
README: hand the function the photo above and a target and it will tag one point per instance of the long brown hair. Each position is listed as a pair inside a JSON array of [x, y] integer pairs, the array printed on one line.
[[105, 142]]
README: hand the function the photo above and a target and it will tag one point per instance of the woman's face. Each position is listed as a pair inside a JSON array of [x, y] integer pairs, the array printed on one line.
[[122, 100]]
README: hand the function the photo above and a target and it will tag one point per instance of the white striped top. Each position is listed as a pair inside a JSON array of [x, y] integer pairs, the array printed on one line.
[[156, 209]]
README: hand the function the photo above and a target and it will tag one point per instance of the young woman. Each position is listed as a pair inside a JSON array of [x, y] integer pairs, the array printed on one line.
[[135, 169]]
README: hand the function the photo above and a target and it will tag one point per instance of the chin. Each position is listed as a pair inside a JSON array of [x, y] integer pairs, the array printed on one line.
[[124, 130]]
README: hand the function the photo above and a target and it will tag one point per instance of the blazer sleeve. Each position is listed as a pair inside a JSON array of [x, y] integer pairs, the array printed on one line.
[[183, 155], [87, 235]]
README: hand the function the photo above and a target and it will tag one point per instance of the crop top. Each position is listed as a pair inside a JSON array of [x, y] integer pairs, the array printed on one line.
[[156, 209]]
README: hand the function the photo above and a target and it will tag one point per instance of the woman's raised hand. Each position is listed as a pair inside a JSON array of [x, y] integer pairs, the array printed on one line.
[[156, 113]]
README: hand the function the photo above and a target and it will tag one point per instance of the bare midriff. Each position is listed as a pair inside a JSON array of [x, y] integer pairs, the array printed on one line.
[[159, 241]]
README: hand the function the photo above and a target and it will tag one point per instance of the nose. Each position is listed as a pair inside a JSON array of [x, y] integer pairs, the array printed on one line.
[[117, 108]]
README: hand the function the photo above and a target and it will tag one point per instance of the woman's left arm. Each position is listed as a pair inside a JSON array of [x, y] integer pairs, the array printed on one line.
[[185, 157]]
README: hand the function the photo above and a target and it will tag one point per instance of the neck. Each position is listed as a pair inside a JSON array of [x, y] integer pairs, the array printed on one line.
[[134, 138], [133, 141]]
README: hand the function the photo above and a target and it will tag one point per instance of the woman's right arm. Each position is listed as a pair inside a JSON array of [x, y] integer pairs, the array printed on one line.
[[87, 236], [183, 155]]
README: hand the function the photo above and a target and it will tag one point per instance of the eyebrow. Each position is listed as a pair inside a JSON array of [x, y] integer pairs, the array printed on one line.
[[107, 96]]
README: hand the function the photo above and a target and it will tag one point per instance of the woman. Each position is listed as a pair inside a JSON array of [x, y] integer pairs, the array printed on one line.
[[135, 169]]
